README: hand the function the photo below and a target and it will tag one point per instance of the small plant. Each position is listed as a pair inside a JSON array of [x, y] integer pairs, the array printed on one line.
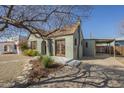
[[41, 57], [31, 52], [47, 61]]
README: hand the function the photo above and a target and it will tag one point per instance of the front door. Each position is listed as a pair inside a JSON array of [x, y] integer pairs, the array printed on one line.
[[43, 48], [60, 47]]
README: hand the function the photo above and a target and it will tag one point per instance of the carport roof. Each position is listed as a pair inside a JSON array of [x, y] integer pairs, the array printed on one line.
[[104, 40]]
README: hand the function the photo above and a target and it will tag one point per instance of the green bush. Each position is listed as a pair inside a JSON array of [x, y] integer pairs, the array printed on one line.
[[24, 46], [41, 57], [47, 61], [31, 52]]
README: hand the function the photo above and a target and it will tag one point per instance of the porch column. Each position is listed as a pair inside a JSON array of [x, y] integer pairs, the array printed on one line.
[[17, 46], [18, 51], [109, 49], [114, 50], [47, 48], [53, 44]]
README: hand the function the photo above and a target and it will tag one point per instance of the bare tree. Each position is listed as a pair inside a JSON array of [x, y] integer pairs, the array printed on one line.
[[31, 18], [121, 28]]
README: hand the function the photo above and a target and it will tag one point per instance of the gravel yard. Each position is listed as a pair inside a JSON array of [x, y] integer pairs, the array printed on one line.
[[92, 72], [100, 73]]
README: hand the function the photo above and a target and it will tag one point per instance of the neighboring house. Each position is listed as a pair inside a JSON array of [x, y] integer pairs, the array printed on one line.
[[8, 47], [67, 42], [119, 41], [11, 45]]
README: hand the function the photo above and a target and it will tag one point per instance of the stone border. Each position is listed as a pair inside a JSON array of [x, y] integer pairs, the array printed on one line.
[[25, 80]]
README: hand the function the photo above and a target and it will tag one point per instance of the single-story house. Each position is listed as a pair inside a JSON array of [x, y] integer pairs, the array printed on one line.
[[8, 47], [119, 41], [11, 45], [66, 42]]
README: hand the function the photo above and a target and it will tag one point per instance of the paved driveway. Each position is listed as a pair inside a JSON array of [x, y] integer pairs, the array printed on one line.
[[11, 66]]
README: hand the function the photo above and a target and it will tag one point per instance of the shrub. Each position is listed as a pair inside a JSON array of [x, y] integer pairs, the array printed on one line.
[[31, 52], [41, 57], [47, 61], [24, 46]]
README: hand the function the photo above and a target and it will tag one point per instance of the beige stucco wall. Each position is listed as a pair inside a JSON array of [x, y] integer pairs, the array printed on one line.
[[79, 44], [91, 49], [68, 44], [10, 47], [39, 40]]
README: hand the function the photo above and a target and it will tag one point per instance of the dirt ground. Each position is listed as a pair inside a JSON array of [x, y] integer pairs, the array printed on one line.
[[120, 59], [9, 71], [104, 60], [11, 66], [11, 57]]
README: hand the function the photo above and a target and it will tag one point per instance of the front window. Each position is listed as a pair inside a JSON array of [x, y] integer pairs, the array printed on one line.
[[15, 47], [33, 44], [5, 48], [86, 44], [75, 42]]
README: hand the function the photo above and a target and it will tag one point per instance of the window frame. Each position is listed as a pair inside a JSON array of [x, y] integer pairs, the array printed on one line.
[[86, 44], [33, 45], [75, 41]]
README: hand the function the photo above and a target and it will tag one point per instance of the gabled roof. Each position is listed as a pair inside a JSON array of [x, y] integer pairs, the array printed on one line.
[[40, 31], [67, 30]]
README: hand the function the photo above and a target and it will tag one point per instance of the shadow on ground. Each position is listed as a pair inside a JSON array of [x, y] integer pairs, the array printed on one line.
[[97, 56], [85, 75]]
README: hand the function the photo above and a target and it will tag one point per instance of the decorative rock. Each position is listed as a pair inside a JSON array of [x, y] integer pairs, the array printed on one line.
[[36, 80], [51, 75], [66, 61], [114, 83], [74, 63], [23, 82], [20, 77], [35, 58]]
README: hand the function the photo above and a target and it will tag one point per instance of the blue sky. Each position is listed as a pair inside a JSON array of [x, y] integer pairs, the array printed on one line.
[[104, 22]]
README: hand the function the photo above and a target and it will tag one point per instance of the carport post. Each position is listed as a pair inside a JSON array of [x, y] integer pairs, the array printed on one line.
[[109, 49], [114, 49]]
